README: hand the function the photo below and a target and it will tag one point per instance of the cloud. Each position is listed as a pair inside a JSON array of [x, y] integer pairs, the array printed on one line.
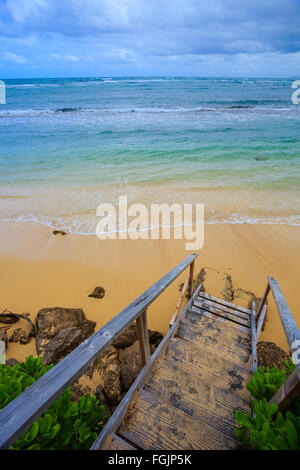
[[68, 57], [18, 59], [122, 54], [144, 35]]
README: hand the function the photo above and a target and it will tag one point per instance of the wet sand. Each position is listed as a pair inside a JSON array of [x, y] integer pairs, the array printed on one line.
[[41, 270]]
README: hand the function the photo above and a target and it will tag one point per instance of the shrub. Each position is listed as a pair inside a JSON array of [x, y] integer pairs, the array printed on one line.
[[65, 425], [269, 429]]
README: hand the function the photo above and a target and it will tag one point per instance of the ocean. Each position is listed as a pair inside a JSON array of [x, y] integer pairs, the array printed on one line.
[[66, 145]]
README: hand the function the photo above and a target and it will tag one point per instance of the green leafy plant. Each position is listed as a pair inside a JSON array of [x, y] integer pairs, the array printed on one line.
[[66, 424], [269, 429]]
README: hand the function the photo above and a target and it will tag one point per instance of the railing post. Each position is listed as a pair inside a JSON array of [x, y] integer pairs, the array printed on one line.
[[142, 332], [191, 279], [262, 302], [253, 340]]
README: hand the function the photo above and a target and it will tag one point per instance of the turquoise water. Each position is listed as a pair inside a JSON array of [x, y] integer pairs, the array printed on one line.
[[91, 138]]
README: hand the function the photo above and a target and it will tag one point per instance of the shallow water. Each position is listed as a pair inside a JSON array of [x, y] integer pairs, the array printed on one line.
[[67, 145]]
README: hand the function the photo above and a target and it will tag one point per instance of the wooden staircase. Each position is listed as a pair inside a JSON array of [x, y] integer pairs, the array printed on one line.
[[187, 393], [195, 385]]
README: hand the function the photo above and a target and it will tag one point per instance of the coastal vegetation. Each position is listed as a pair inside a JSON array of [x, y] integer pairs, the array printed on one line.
[[66, 425], [266, 428]]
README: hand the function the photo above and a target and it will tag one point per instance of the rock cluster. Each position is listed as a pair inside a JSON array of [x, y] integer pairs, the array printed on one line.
[[270, 355], [60, 330]]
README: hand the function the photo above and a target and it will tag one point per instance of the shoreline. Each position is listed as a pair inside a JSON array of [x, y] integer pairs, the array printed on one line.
[[42, 270]]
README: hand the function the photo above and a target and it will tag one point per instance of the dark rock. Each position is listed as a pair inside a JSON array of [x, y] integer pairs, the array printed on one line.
[[98, 292], [62, 344], [260, 159], [112, 383], [270, 355], [20, 336], [99, 392], [155, 338], [3, 337], [59, 232], [127, 338], [50, 321], [12, 361], [131, 365]]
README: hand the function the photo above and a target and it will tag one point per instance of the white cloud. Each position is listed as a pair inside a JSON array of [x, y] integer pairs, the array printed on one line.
[[18, 59], [123, 54], [67, 57]]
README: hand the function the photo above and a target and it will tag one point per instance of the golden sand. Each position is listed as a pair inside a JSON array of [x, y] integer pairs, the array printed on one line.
[[41, 270]]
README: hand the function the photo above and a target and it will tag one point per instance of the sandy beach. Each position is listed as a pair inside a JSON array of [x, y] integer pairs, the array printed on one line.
[[42, 270]]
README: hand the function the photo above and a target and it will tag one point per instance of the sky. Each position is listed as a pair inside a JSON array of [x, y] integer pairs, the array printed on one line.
[[74, 38]]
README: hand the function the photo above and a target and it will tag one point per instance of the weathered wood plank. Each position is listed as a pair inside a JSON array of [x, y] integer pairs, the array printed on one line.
[[114, 422], [203, 393], [142, 333], [152, 423], [191, 278], [188, 354], [225, 302], [18, 415], [228, 350], [260, 322], [289, 390], [221, 320], [262, 302], [222, 313], [202, 322], [290, 327], [224, 308], [114, 442], [179, 302], [212, 335], [253, 340]]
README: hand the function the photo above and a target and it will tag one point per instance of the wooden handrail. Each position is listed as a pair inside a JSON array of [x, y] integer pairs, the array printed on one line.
[[290, 389], [19, 414], [289, 325]]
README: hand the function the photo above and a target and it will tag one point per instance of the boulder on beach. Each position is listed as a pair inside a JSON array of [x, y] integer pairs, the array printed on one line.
[[270, 355], [131, 365], [20, 336], [98, 292], [50, 321], [62, 344]]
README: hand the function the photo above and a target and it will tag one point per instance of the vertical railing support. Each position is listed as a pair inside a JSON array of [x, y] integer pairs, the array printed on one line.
[[191, 279], [142, 332], [253, 339], [262, 302]]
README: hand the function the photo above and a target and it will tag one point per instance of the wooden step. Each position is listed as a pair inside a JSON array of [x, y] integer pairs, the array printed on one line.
[[203, 305], [224, 308], [201, 323], [153, 423], [114, 442], [224, 302], [221, 321], [206, 396], [213, 336], [219, 345], [182, 351]]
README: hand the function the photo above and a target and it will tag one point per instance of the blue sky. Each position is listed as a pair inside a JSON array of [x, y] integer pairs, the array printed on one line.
[[60, 38]]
